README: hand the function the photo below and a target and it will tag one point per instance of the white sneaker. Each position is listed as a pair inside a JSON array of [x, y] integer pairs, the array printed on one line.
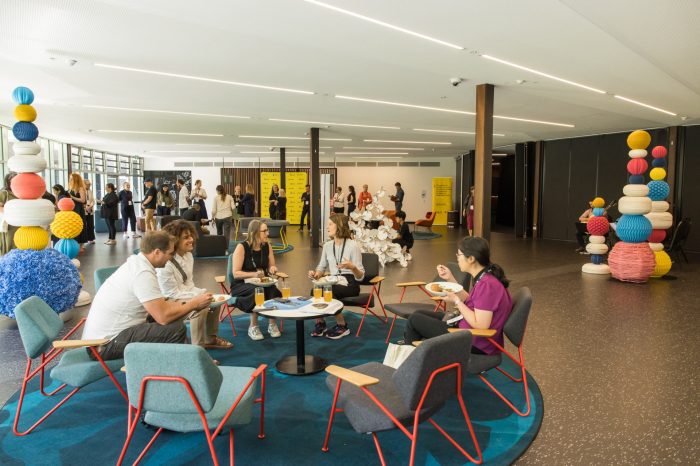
[[135, 235], [409, 256], [126, 235], [273, 330], [254, 333]]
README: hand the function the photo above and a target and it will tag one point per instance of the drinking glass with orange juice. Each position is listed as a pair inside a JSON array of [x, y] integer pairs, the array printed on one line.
[[286, 291], [259, 296], [328, 293], [318, 292]]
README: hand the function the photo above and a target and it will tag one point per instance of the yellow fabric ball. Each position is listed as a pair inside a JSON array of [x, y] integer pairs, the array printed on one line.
[[31, 238], [67, 224], [598, 202], [663, 264], [638, 139], [657, 173], [25, 113]]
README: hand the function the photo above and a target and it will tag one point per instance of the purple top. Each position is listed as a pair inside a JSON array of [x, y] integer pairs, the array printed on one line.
[[489, 294]]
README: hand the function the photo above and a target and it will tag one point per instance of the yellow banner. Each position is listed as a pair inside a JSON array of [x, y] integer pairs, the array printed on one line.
[[442, 199], [296, 185]]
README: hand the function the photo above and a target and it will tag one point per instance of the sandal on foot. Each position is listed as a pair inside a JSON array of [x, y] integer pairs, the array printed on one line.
[[218, 343]]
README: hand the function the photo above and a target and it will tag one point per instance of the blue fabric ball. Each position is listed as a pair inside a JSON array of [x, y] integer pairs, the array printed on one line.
[[658, 190], [25, 131], [47, 274], [598, 211], [597, 259], [633, 228], [69, 247], [636, 179], [23, 95], [658, 163]]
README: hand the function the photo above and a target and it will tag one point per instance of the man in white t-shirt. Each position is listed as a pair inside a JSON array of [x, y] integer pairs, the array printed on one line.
[[182, 195], [130, 306]]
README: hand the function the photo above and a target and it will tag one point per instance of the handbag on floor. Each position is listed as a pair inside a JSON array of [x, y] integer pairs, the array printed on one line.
[[397, 354]]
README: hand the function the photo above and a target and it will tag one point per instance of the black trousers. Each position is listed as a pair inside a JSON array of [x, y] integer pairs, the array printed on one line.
[[339, 210], [581, 233], [90, 226], [128, 215], [305, 213], [111, 227], [427, 324], [401, 242], [149, 332]]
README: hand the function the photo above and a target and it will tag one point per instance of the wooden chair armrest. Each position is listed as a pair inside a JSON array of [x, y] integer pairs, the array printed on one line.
[[282, 275], [377, 279], [355, 378], [220, 279], [404, 284], [65, 344], [417, 342], [477, 332], [123, 369], [438, 298]]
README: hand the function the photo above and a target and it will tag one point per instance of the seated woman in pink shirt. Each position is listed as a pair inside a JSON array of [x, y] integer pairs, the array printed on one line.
[[486, 305]]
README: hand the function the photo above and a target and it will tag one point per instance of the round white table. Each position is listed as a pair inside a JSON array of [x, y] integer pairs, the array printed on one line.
[[301, 363]]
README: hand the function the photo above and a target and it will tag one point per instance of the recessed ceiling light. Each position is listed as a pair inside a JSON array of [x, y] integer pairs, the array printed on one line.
[[385, 148], [334, 139], [289, 137], [268, 152], [645, 105], [104, 107], [408, 142], [451, 132], [371, 153], [201, 78], [386, 25], [376, 157], [157, 132], [188, 152], [540, 73], [197, 144], [332, 124], [401, 104], [527, 120], [285, 146]]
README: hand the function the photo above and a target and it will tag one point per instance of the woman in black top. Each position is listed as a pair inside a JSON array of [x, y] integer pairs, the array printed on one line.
[[352, 200], [274, 196], [248, 201], [282, 205], [237, 197], [110, 212], [253, 258], [126, 200]]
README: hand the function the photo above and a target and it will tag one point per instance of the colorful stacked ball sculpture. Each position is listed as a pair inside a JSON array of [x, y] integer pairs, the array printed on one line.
[[598, 227], [661, 220], [631, 259]]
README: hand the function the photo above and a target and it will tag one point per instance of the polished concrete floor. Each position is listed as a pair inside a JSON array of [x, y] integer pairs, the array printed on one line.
[[616, 363]]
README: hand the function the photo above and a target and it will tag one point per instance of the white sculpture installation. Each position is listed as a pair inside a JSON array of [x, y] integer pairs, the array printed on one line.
[[376, 241]]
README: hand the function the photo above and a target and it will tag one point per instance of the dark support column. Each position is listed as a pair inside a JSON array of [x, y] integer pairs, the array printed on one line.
[[482, 163], [315, 172], [536, 192], [521, 183], [671, 164], [283, 167]]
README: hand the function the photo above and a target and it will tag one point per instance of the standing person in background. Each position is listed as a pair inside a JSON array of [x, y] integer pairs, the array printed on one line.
[[90, 212], [398, 197], [149, 205], [365, 197], [110, 211], [468, 211], [248, 201], [165, 200], [126, 201], [222, 213], [7, 232], [183, 195], [339, 201], [351, 199], [274, 195], [199, 195], [76, 190], [237, 197], [305, 208], [49, 197], [282, 205]]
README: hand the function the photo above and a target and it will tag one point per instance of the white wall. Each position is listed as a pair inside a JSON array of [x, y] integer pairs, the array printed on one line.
[[412, 179]]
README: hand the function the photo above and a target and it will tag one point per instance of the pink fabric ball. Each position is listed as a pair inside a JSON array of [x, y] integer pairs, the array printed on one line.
[[631, 262], [28, 186], [659, 152], [65, 204], [637, 166]]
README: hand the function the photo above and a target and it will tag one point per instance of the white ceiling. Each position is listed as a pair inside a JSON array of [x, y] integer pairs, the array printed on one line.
[[645, 50]]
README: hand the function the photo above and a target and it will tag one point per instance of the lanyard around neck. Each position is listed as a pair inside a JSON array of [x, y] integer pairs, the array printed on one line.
[[342, 251]]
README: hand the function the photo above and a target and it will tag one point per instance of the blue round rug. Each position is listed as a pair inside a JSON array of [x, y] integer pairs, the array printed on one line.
[[423, 235], [91, 427]]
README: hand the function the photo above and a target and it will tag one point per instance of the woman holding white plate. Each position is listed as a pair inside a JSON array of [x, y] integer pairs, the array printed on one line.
[[486, 306]]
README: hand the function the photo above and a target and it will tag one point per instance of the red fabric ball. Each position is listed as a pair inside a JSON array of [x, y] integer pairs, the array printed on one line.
[[637, 166], [65, 204], [659, 152], [598, 226], [657, 236], [631, 262], [28, 186]]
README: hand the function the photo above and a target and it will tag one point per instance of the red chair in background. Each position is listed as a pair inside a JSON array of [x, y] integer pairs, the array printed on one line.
[[426, 222]]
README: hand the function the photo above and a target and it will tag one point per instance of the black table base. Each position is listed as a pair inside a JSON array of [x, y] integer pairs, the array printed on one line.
[[302, 363]]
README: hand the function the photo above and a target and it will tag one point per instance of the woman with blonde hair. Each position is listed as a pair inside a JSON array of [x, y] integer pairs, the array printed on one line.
[[253, 258], [77, 192], [248, 201]]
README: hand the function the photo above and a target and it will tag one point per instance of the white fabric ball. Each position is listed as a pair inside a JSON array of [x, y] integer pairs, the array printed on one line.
[[637, 153], [26, 148], [656, 246], [29, 212], [660, 206], [26, 164], [594, 248], [636, 190], [596, 239], [76, 263], [596, 269], [660, 220], [634, 205]]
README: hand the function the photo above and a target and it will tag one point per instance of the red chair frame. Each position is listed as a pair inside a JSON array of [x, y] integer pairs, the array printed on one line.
[[135, 415], [421, 286], [46, 358], [226, 309], [413, 436], [376, 289]]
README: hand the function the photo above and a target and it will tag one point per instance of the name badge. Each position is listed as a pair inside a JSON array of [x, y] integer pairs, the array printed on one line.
[[306, 202], [130, 203], [162, 204]]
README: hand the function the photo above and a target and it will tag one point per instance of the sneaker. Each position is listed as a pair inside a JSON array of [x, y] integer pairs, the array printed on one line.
[[338, 332], [273, 330], [254, 333], [126, 235], [580, 249], [409, 256], [135, 235], [319, 329], [109, 241]]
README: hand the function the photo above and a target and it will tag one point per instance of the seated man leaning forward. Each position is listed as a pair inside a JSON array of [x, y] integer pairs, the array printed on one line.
[[176, 283], [130, 307]]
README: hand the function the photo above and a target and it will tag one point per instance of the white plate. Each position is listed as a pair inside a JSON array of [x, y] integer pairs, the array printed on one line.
[[256, 282], [327, 280], [219, 299], [447, 286]]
